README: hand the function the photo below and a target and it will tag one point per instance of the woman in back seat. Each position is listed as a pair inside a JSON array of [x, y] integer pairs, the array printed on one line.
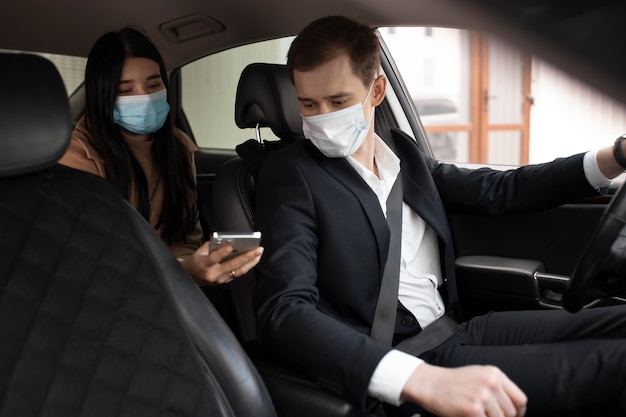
[[127, 137]]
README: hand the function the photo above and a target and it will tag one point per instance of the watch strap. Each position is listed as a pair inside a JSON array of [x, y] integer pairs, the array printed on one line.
[[618, 153]]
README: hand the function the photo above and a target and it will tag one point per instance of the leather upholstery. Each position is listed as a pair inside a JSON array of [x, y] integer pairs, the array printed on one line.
[[234, 182], [26, 96], [97, 317], [266, 97]]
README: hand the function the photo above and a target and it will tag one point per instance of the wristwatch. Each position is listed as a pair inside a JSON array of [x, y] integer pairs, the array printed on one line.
[[618, 153]]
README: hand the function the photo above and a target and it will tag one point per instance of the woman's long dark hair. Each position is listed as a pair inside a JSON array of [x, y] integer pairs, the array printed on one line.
[[171, 157]]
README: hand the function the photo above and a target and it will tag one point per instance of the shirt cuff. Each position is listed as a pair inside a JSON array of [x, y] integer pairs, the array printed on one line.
[[592, 171], [391, 375]]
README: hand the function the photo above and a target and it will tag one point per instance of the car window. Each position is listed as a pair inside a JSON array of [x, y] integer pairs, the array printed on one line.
[[209, 86], [480, 100], [71, 68], [483, 101]]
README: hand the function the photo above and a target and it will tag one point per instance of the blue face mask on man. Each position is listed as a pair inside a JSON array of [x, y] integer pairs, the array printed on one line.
[[141, 114]]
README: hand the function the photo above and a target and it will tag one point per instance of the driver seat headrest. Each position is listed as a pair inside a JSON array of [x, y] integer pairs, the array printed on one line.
[[266, 97], [35, 121]]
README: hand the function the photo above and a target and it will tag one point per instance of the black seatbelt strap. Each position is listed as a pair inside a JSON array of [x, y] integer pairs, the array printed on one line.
[[387, 304]]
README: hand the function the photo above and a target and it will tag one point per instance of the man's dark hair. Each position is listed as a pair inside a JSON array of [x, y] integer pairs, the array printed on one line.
[[325, 38]]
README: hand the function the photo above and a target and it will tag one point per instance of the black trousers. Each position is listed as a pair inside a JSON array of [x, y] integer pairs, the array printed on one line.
[[566, 364]]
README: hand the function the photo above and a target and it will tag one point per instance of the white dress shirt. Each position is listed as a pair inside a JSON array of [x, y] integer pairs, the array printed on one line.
[[420, 268]]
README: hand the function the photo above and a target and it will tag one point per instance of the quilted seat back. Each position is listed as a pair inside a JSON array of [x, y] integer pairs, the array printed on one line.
[[97, 318]]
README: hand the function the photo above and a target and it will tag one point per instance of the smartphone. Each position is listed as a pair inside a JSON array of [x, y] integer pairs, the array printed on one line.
[[241, 242]]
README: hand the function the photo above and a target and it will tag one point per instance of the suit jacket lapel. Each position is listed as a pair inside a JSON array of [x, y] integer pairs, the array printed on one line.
[[426, 205], [420, 193], [346, 175], [419, 189]]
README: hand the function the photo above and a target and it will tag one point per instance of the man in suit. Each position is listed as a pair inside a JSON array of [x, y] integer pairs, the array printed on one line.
[[321, 206]]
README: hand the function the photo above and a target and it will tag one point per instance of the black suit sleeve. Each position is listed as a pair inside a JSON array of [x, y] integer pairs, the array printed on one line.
[[494, 192]]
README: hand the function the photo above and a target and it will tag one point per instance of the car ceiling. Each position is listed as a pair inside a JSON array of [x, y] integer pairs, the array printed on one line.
[[584, 38], [70, 26]]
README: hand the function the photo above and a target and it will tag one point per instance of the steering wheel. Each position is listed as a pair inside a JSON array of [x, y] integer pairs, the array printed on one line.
[[603, 263]]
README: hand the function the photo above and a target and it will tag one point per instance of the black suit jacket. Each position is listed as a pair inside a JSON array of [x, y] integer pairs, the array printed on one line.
[[326, 242]]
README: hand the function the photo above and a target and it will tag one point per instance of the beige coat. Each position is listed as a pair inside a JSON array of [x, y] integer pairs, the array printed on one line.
[[81, 155]]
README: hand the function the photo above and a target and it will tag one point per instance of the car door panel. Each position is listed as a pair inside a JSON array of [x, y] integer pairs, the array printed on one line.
[[520, 261]]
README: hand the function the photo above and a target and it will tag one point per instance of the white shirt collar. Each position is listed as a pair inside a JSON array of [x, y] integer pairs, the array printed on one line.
[[388, 169]]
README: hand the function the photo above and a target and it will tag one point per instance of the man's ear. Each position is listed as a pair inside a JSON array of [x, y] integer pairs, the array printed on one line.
[[378, 90]]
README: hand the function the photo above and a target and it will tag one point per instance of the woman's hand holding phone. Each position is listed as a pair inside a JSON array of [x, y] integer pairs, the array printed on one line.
[[225, 257]]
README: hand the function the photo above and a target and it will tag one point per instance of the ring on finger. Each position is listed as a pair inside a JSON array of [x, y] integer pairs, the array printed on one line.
[[232, 273]]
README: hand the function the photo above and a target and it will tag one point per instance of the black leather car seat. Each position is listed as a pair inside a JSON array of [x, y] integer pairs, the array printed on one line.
[[97, 318], [266, 97]]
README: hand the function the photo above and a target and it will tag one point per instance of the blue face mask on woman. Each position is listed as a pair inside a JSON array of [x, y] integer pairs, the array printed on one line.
[[141, 114]]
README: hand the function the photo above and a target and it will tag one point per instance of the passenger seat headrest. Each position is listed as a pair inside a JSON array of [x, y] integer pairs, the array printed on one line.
[[266, 97], [35, 122]]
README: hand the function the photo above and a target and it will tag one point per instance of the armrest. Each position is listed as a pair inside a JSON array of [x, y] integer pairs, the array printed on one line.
[[494, 283], [498, 274]]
